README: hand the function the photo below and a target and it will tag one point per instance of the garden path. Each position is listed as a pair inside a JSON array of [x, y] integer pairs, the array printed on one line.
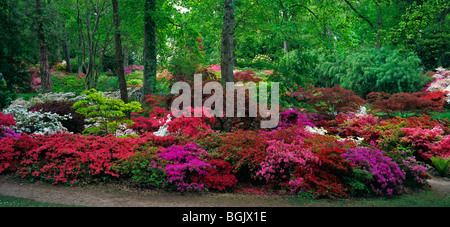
[[124, 197]]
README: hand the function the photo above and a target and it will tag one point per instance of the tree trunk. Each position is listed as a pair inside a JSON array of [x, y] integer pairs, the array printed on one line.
[[46, 79], [149, 85], [119, 54], [227, 42], [380, 25], [66, 48]]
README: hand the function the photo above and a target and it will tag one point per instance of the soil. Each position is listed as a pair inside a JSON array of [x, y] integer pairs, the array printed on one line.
[[120, 196]]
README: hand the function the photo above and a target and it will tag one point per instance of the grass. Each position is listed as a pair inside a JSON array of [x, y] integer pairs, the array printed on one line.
[[416, 199], [9, 201]]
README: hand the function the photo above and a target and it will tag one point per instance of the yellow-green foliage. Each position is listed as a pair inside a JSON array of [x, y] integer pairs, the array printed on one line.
[[104, 113]]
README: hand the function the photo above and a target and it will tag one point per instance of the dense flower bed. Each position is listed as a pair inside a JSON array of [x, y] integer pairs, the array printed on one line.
[[343, 153]]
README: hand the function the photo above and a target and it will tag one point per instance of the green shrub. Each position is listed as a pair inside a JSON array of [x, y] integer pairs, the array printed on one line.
[[141, 168], [442, 165], [6, 95], [293, 71], [103, 113], [68, 83], [370, 70]]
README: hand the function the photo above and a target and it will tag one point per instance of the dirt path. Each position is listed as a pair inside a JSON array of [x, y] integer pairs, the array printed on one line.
[[96, 196], [125, 197]]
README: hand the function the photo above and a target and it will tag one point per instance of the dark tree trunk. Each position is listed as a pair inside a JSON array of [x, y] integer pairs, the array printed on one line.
[[227, 42], [119, 54], [149, 85], [66, 48], [46, 79]]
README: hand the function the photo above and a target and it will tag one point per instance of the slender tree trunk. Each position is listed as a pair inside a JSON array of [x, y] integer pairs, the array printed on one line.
[[46, 79], [149, 85], [380, 25], [119, 54], [227, 42], [66, 48]]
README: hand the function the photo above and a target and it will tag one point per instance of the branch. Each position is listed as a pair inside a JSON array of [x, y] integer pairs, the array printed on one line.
[[309, 10], [361, 16], [243, 15]]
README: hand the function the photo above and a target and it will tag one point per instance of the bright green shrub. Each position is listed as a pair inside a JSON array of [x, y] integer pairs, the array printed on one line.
[[68, 83], [104, 113], [442, 165], [370, 70]]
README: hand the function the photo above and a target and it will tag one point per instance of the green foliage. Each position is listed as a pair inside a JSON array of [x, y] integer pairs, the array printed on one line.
[[370, 70], [104, 113], [293, 71], [433, 46], [6, 95], [68, 83], [357, 182], [442, 165], [141, 168]]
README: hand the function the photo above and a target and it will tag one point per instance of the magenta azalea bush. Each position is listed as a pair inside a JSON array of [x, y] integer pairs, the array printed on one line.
[[387, 176], [183, 161]]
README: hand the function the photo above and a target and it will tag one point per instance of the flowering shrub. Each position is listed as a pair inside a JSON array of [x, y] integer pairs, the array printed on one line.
[[387, 176], [67, 158], [415, 173], [327, 176], [132, 68], [220, 176], [191, 126], [38, 123], [421, 140], [292, 117], [245, 150], [358, 126], [74, 124], [12, 151], [261, 58], [6, 121], [60, 66], [182, 162], [440, 148], [282, 160]]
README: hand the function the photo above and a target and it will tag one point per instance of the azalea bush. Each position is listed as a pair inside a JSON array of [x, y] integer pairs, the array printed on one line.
[[387, 176], [183, 161], [32, 122], [74, 124], [220, 176]]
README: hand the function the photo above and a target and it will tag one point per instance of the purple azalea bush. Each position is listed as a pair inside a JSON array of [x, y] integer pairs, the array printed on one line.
[[387, 176]]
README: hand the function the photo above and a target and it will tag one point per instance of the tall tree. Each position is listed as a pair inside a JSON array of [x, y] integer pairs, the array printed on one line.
[[227, 55], [47, 84], [119, 53], [66, 48], [149, 83]]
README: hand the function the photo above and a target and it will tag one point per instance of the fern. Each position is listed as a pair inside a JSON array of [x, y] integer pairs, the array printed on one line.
[[442, 165]]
